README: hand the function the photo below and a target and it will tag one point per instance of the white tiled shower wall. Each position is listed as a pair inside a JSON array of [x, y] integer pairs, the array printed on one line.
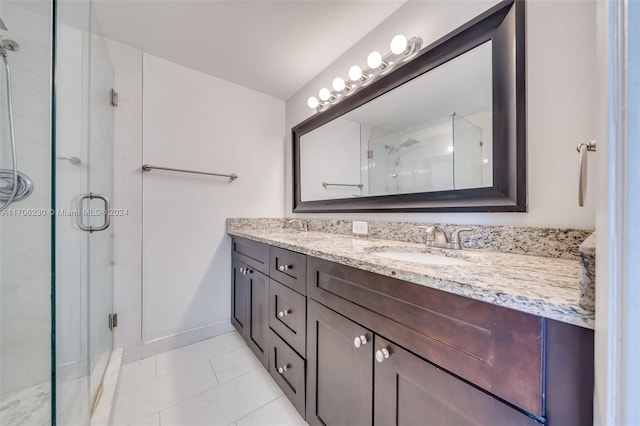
[[25, 267]]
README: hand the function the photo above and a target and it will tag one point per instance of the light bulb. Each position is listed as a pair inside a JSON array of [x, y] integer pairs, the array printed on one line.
[[485, 161], [398, 44], [355, 73], [324, 94], [450, 149], [338, 84], [374, 60], [313, 102]]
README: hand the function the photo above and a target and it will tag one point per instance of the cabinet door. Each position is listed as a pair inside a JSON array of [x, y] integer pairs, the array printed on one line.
[[339, 369], [240, 287], [411, 391], [258, 333]]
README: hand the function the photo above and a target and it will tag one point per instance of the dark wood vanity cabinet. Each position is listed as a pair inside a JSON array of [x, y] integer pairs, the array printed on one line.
[[269, 310], [358, 378], [353, 347], [250, 307], [240, 288], [340, 373], [408, 389]]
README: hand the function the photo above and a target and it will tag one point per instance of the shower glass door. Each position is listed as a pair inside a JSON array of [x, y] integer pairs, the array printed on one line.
[[83, 183]]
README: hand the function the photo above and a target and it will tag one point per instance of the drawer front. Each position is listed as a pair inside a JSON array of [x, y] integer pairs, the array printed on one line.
[[289, 268], [497, 349], [410, 391], [287, 315], [288, 371], [252, 253]]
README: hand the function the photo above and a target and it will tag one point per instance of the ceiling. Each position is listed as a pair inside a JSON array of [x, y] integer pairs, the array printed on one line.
[[275, 47]]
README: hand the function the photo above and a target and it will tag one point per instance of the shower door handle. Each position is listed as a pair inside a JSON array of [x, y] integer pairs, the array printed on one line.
[[107, 216]]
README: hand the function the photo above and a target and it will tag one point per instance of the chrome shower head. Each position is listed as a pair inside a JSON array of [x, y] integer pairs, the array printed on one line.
[[10, 45], [5, 45]]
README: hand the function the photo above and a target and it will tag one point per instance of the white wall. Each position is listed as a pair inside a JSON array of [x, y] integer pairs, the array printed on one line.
[[561, 102], [198, 122]]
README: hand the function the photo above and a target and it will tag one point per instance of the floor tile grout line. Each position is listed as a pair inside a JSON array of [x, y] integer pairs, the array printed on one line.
[[155, 357], [210, 389], [164, 407], [159, 412], [259, 408], [205, 359], [214, 373]]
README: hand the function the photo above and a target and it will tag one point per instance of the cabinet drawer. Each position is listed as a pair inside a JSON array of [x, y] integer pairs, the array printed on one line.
[[410, 391], [289, 268], [288, 371], [252, 253], [496, 348], [287, 315]]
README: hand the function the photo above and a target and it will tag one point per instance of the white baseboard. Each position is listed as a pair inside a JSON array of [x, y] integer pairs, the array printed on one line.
[[164, 344]]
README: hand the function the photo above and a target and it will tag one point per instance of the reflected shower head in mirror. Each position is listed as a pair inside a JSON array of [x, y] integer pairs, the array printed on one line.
[[408, 143], [405, 144]]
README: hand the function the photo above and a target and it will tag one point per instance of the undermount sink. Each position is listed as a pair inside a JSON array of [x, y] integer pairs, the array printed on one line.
[[421, 257]]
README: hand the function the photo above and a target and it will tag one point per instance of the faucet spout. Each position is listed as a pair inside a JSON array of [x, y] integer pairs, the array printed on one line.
[[301, 226], [436, 237]]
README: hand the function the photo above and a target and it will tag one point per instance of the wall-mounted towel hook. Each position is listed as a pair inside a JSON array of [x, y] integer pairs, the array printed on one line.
[[583, 149]]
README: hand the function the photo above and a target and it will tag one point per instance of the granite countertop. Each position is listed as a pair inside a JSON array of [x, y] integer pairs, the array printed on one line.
[[543, 286]]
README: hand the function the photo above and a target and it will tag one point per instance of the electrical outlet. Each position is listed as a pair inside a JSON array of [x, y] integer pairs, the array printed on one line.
[[360, 227]]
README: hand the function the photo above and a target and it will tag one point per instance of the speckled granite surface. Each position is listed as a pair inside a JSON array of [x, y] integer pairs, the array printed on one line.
[[547, 242], [543, 286], [588, 273]]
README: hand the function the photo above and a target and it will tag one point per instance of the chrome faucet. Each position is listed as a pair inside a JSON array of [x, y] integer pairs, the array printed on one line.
[[436, 237], [302, 226]]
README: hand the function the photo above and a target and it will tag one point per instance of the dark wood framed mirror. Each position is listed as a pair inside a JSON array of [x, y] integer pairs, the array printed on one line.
[[445, 132]]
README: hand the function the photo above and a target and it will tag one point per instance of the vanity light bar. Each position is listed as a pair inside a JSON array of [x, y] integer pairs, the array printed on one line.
[[377, 65]]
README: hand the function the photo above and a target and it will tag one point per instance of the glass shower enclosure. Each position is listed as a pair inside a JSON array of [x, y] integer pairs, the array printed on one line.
[[56, 250]]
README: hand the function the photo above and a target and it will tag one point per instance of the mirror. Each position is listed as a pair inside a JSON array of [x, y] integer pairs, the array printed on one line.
[[444, 132]]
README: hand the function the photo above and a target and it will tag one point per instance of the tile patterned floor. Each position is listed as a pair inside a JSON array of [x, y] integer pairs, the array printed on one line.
[[214, 382]]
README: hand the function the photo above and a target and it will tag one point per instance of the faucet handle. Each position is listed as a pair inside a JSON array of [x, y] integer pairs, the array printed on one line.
[[455, 238], [431, 238]]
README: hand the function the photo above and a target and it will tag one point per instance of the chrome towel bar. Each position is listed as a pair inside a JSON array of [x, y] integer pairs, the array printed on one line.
[[148, 168], [325, 184]]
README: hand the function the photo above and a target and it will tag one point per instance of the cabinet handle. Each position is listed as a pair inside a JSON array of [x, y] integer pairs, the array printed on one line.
[[245, 271], [282, 369], [382, 354], [284, 313], [285, 267], [359, 341]]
